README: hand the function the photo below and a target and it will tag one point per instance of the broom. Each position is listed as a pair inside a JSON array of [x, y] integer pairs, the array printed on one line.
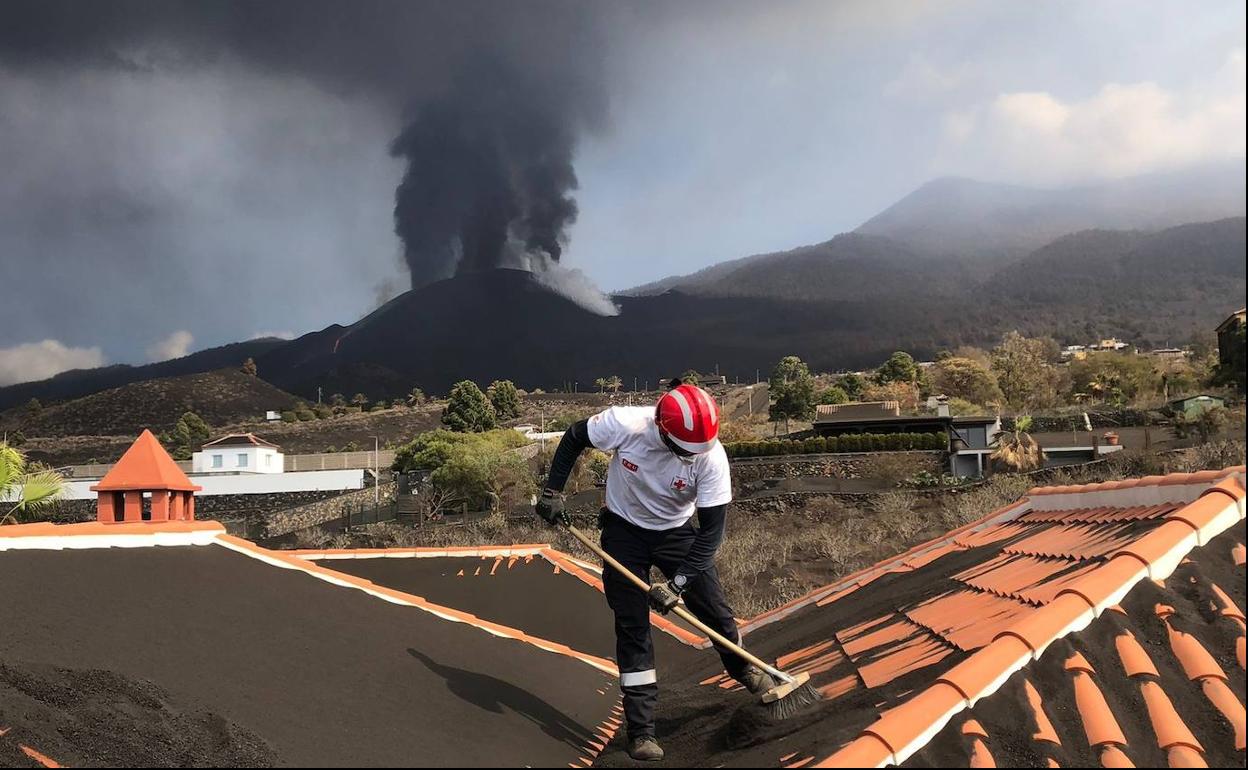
[[792, 693]]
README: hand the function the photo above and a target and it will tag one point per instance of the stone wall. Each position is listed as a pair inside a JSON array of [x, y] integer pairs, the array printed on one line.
[[855, 465], [309, 515], [233, 508]]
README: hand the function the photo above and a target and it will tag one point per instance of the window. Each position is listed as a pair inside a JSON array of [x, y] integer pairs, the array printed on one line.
[[242, 460], [217, 461]]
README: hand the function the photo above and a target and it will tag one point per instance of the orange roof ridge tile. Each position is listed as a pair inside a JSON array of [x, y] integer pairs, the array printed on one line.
[[279, 558], [1175, 486], [364, 553]]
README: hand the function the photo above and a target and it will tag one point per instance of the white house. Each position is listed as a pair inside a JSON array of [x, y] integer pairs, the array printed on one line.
[[238, 453]]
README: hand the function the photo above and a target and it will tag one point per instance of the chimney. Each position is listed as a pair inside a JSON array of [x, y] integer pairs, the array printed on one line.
[[942, 406]]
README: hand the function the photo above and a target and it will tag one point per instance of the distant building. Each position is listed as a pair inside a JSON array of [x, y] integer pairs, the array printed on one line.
[[1169, 354], [971, 439], [1191, 406], [1230, 344], [1111, 343], [238, 453]]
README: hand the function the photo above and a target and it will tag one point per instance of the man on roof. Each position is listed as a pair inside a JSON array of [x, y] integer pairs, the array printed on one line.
[[668, 465]]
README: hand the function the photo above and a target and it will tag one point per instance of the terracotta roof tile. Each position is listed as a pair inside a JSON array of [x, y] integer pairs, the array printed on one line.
[[1044, 728], [1167, 724], [1098, 721], [1196, 661], [968, 619], [1135, 661]]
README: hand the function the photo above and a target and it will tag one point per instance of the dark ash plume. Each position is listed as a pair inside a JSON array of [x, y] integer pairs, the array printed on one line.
[[494, 95], [489, 172]]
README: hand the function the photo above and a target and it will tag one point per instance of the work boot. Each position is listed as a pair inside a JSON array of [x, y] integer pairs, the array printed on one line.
[[756, 680], [645, 748]]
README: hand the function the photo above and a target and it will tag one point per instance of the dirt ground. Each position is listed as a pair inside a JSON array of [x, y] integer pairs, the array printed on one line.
[[324, 675], [116, 721]]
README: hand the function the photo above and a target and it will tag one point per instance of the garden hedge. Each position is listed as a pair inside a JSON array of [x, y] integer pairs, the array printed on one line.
[[850, 442]]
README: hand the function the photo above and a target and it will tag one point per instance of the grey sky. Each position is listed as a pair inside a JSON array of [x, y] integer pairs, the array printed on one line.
[[226, 200]]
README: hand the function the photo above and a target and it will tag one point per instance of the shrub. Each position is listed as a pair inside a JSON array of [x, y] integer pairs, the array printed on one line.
[[289, 417]]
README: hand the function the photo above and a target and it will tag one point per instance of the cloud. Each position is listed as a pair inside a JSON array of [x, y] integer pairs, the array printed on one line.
[[1120, 130], [175, 345], [40, 360], [920, 79], [282, 335]]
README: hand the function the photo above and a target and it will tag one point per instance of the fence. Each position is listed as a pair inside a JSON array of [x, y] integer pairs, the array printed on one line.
[[320, 461]]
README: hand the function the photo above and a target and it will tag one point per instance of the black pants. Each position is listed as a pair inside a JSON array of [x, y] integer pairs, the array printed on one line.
[[638, 549]]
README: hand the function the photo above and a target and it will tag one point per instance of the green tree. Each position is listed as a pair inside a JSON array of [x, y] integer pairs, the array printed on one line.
[[467, 409], [834, 395], [416, 398], [853, 384], [33, 407], [188, 434], [690, 377], [249, 367], [792, 392], [337, 400], [1115, 378], [475, 466], [25, 489], [966, 379], [360, 400], [899, 367], [1025, 372], [505, 399]]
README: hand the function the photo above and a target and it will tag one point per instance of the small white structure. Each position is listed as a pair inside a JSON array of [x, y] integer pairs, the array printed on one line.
[[238, 453]]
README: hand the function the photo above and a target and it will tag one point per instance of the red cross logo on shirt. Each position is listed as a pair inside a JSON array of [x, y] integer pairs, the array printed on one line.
[[679, 485]]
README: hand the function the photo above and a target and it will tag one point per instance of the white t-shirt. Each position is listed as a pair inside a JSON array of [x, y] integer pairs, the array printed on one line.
[[647, 483]]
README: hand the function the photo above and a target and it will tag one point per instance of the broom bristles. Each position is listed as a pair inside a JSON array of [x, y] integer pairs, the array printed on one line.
[[794, 703]]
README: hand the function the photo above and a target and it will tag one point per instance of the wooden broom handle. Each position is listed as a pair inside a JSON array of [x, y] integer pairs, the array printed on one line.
[[680, 611]]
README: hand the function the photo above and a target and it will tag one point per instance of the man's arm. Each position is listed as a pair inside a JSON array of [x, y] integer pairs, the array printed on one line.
[[701, 555], [575, 440]]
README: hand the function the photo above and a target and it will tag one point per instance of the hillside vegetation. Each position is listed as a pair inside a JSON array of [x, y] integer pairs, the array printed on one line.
[[220, 397]]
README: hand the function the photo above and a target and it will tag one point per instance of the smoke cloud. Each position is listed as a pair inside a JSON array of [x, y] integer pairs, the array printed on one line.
[[489, 99]]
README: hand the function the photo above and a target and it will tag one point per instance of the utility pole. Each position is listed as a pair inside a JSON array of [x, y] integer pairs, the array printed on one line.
[[376, 474], [318, 395]]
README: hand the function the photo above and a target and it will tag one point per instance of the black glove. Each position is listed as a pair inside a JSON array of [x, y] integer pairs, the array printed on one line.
[[550, 508], [663, 597]]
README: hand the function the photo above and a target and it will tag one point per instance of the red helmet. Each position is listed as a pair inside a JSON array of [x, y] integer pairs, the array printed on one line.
[[689, 417]]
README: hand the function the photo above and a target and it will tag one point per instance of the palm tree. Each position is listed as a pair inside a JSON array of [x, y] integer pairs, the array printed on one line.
[[25, 490], [1016, 449]]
